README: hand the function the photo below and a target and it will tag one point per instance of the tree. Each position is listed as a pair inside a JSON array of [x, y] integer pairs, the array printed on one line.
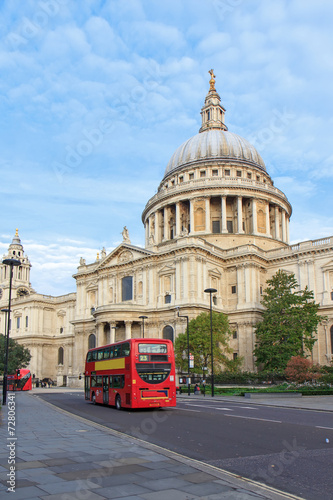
[[200, 343], [289, 322], [18, 355]]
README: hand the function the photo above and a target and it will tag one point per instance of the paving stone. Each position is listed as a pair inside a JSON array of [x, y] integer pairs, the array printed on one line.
[[122, 491], [163, 484], [169, 495], [207, 488]]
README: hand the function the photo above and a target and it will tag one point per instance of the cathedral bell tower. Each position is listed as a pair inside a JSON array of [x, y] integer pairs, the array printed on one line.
[[21, 285]]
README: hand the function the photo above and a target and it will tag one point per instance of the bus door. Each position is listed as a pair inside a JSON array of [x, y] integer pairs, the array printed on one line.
[[105, 389], [87, 387]]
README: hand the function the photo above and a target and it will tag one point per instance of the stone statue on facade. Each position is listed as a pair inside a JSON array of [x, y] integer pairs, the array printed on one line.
[[126, 235]]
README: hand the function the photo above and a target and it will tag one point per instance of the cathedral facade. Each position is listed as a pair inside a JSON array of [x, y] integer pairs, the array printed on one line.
[[216, 221]]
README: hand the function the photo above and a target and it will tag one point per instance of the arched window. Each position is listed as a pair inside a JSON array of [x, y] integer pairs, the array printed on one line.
[[168, 333], [91, 341], [60, 356], [332, 339]]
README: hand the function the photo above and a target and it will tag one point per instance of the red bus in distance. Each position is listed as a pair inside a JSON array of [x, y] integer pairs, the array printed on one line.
[[20, 381], [134, 373]]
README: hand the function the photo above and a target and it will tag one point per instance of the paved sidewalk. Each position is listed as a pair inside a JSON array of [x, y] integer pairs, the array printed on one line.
[[59, 456]]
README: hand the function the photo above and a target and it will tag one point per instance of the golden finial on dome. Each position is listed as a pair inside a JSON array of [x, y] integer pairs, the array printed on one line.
[[97, 258], [16, 233], [212, 80]]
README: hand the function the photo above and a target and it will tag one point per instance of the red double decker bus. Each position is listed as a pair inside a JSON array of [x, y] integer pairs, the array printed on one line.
[[134, 373], [20, 381]]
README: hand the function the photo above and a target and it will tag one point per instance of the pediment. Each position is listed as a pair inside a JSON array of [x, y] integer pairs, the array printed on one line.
[[123, 254], [328, 266], [215, 271], [166, 270]]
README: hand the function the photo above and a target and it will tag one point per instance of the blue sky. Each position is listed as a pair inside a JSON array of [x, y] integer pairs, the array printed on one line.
[[97, 95]]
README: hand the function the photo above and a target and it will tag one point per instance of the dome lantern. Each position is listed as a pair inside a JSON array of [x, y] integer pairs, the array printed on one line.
[[212, 112]]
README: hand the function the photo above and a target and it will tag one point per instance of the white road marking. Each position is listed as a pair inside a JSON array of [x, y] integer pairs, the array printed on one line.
[[255, 418], [321, 427]]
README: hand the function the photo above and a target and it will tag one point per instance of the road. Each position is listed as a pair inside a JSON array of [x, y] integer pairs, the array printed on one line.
[[289, 449]]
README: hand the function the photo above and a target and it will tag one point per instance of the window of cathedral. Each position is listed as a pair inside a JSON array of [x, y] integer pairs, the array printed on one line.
[[202, 173], [191, 176], [168, 333], [18, 322], [233, 289], [230, 226], [258, 177], [127, 288], [227, 171], [26, 321], [216, 226], [261, 290], [235, 355], [214, 300], [61, 330], [167, 299], [234, 334], [173, 182], [249, 175], [181, 179], [60, 356], [239, 173], [91, 341], [331, 295], [215, 172]]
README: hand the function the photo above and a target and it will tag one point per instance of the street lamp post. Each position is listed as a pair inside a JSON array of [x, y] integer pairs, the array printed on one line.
[[188, 352], [211, 291], [11, 263], [143, 325]]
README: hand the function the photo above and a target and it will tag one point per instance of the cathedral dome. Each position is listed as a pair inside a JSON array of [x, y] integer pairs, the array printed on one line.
[[215, 144]]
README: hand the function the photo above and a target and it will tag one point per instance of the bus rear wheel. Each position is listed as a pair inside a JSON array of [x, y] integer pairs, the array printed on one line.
[[118, 402]]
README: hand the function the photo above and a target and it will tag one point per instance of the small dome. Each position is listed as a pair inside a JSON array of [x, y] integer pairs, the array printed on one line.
[[215, 145]]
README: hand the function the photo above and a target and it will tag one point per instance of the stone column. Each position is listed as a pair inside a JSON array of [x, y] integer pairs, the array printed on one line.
[[287, 229], [268, 225], [178, 222], [254, 216], [166, 224], [284, 232], [239, 214], [157, 227], [277, 223], [207, 220], [99, 334], [147, 231], [112, 338], [128, 329], [191, 216], [224, 214]]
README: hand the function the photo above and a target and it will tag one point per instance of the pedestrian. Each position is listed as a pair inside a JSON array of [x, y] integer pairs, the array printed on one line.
[[196, 389]]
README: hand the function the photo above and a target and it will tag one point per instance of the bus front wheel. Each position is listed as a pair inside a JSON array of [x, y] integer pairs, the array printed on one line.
[[118, 402]]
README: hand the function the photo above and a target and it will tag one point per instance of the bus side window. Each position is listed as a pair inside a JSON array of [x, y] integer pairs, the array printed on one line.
[[126, 349], [100, 355], [99, 380], [89, 357], [118, 381], [117, 351], [106, 354], [111, 352], [110, 381], [94, 355], [93, 381]]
